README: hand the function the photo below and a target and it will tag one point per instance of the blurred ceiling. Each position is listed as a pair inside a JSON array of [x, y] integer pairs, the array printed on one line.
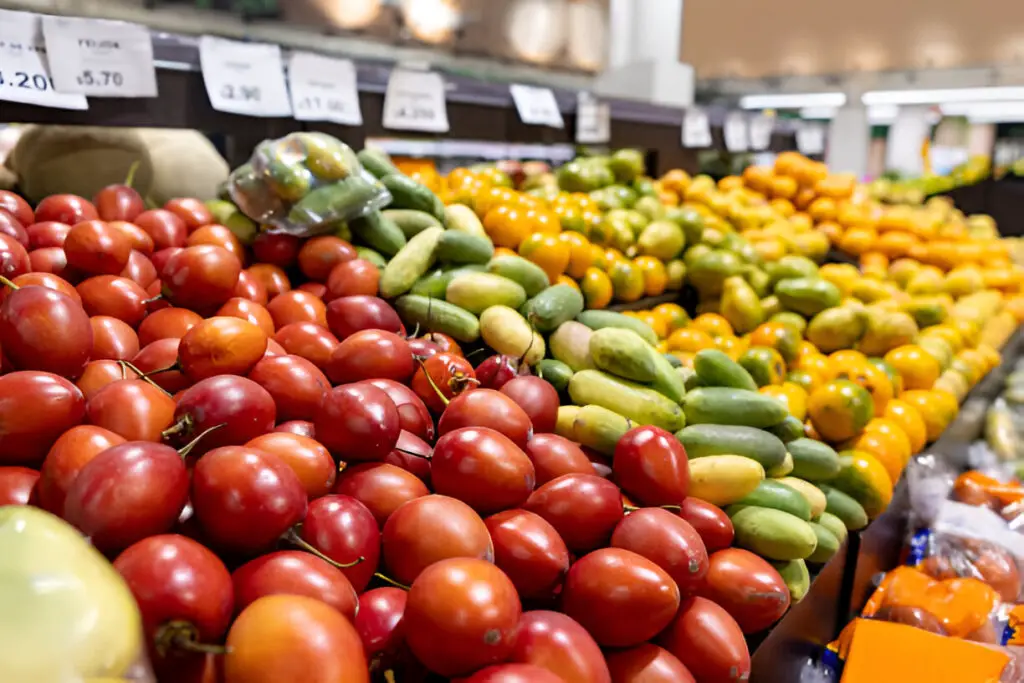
[[754, 38]]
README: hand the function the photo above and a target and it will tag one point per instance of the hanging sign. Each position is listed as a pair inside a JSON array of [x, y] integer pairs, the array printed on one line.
[[244, 78], [100, 58]]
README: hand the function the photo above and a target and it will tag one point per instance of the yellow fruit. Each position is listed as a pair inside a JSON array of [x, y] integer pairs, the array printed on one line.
[[917, 367], [597, 288], [580, 255], [908, 419], [933, 407], [547, 251], [654, 275], [793, 396], [839, 410], [627, 281], [712, 323]]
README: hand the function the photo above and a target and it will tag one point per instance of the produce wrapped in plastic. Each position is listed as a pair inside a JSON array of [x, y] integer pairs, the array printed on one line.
[[68, 617], [305, 184]]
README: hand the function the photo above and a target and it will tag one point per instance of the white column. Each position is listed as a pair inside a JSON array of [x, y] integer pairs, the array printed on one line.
[[644, 53], [849, 138], [906, 137]]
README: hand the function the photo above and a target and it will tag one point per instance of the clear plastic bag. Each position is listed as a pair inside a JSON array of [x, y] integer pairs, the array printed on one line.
[[68, 617], [304, 184]]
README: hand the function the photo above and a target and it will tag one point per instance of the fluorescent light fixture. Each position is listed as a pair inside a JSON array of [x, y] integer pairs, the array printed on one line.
[[818, 113], [793, 101], [987, 112], [943, 96], [882, 113]]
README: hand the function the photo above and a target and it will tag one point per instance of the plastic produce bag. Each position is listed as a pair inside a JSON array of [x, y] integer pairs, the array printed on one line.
[[68, 617], [304, 184]]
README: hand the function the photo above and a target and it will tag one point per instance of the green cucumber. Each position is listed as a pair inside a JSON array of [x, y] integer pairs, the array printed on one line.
[[724, 406], [701, 440], [528, 274], [788, 430], [623, 353], [715, 369], [772, 494], [406, 193], [813, 460], [595, 320], [773, 534], [638, 403], [378, 231], [554, 372], [461, 247], [410, 264], [845, 507], [476, 292], [377, 162], [553, 306], [435, 315], [828, 544], [411, 222], [435, 284]]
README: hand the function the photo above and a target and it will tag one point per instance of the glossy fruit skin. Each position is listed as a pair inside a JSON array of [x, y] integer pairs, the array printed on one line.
[[495, 371], [47, 260], [115, 296], [294, 638], [651, 466], [512, 673], [140, 240], [351, 314], [300, 427], [583, 508], [218, 236], [14, 260], [132, 409], [357, 422], [669, 542], [381, 487], [277, 249], [97, 248], [17, 484], [166, 229], [402, 456], [708, 642], [297, 306], [158, 355], [482, 468], [747, 587], [319, 255], [48, 280], [70, 453], [46, 234], [461, 615], [450, 374], [42, 329], [307, 457], [257, 314], [191, 211], [273, 280], [371, 354], [558, 643], [112, 339], [647, 663], [251, 289], [246, 499], [412, 412], [17, 207], [297, 386], [487, 408], [35, 409], [140, 269], [537, 397], [380, 620], [553, 456], [202, 277], [293, 572], [344, 530], [221, 346], [65, 208], [244, 407], [430, 529], [620, 597], [169, 323], [357, 277], [308, 340], [174, 578], [529, 551], [127, 493], [713, 525], [118, 203], [98, 374]]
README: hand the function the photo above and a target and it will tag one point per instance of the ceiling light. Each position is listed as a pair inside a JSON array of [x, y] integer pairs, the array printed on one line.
[[536, 29], [986, 112], [793, 101], [943, 95], [818, 113], [432, 21], [883, 113], [350, 14]]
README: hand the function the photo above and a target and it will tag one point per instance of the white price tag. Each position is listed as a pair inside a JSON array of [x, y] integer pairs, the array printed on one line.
[[244, 78], [593, 120], [734, 130], [324, 89], [415, 100], [100, 58], [696, 129], [24, 72], [810, 138], [761, 128], [536, 106]]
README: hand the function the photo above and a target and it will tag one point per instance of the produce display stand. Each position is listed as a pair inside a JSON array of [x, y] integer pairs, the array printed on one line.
[[1002, 199], [477, 110]]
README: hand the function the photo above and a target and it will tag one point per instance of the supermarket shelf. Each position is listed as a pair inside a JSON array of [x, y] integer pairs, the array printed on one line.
[[877, 548], [478, 110]]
